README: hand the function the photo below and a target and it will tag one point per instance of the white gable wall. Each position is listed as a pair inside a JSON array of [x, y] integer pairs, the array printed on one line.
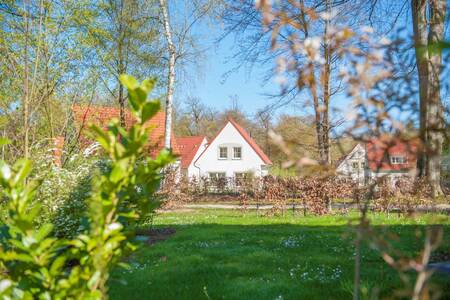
[[229, 137], [356, 157]]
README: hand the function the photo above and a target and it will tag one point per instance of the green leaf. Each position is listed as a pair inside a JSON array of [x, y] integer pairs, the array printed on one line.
[[137, 98], [94, 279], [119, 170], [149, 110], [101, 136], [24, 167], [148, 84], [57, 265], [4, 141], [44, 231], [129, 82]]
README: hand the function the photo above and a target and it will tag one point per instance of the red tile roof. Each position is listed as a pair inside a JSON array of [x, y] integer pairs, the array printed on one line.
[[246, 137], [251, 142], [379, 150], [188, 146], [101, 115]]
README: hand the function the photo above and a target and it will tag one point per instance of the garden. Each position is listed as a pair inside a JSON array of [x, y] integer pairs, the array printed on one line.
[[317, 168], [230, 254]]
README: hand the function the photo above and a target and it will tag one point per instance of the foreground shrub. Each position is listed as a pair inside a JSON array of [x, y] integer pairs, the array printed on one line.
[[36, 265]]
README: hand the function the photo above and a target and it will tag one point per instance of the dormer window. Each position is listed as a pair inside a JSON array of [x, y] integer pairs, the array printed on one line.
[[237, 153], [223, 152], [398, 160]]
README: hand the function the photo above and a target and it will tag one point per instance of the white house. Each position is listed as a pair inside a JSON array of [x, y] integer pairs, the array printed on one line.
[[353, 165], [231, 153], [385, 156]]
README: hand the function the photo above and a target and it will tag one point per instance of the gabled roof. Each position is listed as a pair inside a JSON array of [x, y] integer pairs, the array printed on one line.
[[343, 158], [251, 142], [246, 137], [188, 146], [101, 115], [381, 148]]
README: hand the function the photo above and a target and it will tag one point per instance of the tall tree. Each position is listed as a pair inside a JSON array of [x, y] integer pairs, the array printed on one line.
[[121, 38], [180, 44], [171, 73], [38, 66], [428, 27], [311, 22]]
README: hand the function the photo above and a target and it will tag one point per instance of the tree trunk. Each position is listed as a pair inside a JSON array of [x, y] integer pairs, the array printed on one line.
[[120, 66], [171, 75], [121, 106], [326, 93], [25, 104], [317, 115], [434, 112], [418, 8], [429, 62]]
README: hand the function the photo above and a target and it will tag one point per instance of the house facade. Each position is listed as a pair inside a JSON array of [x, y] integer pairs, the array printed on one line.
[[354, 164], [231, 153], [385, 157]]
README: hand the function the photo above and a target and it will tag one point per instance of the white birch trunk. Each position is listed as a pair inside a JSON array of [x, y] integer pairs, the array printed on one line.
[[171, 75]]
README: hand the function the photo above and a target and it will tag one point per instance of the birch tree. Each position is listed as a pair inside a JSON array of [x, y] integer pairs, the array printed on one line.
[[180, 47], [171, 73]]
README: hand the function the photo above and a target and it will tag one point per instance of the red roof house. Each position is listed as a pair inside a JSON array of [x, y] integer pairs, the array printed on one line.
[[387, 154], [242, 153], [100, 115], [189, 147], [383, 156]]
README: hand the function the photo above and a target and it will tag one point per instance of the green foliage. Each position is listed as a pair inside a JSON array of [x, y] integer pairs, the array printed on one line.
[[33, 263], [62, 192]]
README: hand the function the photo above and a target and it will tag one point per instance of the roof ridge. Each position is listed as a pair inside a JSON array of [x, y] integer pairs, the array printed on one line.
[[246, 137]]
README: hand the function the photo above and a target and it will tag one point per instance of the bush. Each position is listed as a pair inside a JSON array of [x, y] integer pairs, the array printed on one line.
[[36, 265], [62, 192]]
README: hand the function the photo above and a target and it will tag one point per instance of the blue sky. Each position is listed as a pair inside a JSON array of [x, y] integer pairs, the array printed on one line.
[[210, 83], [215, 81]]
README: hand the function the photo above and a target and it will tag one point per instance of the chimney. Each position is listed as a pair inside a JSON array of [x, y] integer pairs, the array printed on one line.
[[57, 150]]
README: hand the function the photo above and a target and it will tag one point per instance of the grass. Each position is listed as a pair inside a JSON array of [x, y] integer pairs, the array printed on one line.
[[231, 255]]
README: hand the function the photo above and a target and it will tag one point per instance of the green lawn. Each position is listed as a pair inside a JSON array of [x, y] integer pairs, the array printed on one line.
[[231, 255]]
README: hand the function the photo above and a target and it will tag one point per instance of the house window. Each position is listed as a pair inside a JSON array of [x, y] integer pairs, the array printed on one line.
[[363, 165], [241, 177], [355, 165], [216, 175], [398, 160], [223, 152], [237, 153]]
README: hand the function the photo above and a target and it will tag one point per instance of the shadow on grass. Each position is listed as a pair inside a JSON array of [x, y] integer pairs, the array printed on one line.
[[280, 261]]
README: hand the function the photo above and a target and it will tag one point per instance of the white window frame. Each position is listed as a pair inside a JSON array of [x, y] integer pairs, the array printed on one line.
[[217, 175], [355, 165], [398, 160], [220, 153], [234, 152]]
